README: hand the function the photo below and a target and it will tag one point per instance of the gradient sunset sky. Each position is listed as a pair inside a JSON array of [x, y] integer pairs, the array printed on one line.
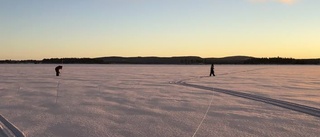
[[37, 29]]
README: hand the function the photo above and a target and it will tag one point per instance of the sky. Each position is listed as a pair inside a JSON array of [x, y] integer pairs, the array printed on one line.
[[37, 29]]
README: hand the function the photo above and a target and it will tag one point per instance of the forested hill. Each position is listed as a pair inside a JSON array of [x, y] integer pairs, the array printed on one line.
[[168, 60]]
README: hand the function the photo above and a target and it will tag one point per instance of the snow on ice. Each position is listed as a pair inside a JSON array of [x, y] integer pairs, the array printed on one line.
[[149, 100]]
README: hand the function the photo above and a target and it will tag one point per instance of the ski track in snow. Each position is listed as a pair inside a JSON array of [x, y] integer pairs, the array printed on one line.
[[284, 104], [280, 103], [13, 129]]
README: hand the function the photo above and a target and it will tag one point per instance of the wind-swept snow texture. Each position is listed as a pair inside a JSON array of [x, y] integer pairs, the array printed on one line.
[[144, 101]]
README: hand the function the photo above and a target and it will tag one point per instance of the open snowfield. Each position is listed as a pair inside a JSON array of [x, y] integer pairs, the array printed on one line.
[[148, 101]]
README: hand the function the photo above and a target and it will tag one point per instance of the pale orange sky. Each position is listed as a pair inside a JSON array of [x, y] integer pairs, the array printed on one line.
[[207, 28]]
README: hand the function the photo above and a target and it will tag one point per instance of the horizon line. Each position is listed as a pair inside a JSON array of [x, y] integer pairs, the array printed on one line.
[[156, 57]]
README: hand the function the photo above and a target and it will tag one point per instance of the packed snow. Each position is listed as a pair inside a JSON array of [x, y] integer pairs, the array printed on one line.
[[145, 101]]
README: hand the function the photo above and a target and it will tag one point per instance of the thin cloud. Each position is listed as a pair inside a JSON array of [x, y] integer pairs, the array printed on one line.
[[287, 1], [280, 1]]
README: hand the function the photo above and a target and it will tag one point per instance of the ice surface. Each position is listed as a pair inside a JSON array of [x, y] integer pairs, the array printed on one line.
[[142, 101]]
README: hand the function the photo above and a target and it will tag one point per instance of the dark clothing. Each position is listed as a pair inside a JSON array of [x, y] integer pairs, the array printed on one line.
[[212, 70], [58, 70]]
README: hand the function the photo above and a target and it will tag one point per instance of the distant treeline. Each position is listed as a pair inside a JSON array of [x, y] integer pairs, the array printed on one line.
[[72, 61], [55, 61], [19, 61], [279, 60], [167, 60], [152, 60]]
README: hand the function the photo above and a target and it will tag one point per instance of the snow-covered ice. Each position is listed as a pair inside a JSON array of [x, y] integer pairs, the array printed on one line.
[[144, 101]]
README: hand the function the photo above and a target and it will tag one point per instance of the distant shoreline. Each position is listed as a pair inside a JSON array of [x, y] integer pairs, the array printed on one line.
[[169, 60]]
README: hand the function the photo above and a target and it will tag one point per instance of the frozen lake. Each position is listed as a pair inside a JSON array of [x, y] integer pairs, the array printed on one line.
[[144, 101]]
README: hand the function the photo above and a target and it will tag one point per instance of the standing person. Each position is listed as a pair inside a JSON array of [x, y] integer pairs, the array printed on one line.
[[58, 70], [212, 70]]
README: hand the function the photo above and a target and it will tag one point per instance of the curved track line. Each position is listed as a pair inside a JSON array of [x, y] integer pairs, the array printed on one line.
[[284, 104], [204, 117]]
